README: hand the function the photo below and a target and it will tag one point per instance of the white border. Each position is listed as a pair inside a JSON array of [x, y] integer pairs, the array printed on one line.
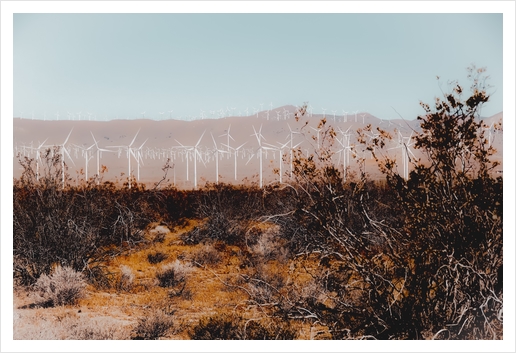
[[7, 10]]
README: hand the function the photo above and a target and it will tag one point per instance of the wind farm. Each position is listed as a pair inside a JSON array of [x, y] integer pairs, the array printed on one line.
[[232, 152]]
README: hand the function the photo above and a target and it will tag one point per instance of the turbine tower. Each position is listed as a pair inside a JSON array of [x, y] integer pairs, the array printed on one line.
[[62, 151], [129, 152], [98, 156]]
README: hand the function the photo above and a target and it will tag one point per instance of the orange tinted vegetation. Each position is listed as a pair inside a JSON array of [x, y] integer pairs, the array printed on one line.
[[330, 255]]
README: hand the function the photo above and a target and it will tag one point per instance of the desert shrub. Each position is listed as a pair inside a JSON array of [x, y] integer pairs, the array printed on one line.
[[232, 327], [429, 265], [269, 245], [228, 211], [96, 331], [206, 254], [126, 278], [64, 286], [157, 257], [173, 274], [75, 226], [153, 326]]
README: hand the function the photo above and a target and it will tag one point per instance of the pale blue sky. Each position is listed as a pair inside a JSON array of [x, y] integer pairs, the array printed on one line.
[[125, 64]]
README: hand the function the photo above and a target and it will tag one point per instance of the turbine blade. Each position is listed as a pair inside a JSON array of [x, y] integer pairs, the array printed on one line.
[[134, 137], [64, 143], [68, 154], [197, 144]]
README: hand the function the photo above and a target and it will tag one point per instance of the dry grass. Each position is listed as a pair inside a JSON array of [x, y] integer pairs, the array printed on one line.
[[113, 313]]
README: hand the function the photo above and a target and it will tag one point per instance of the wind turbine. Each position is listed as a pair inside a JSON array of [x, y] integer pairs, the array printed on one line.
[[196, 153], [85, 152], [62, 151], [136, 152], [404, 143], [129, 152], [38, 157], [236, 150], [228, 136], [217, 151], [259, 137], [318, 131], [280, 150], [346, 148], [98, 156], [291, 134]]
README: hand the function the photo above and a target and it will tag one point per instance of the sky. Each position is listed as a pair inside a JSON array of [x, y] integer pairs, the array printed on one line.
[[207, 65]]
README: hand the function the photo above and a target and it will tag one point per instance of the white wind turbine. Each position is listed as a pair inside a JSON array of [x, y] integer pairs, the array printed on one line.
[[217, 151], [235, 153], [259, 138], [280, 149], [38, 157], [228, 135], [129, 152], [346, 148], [99, 150], [405, 143], [87, 157], [291, 135], [62, 151], [137, 154], [196, 152], [318, 131]]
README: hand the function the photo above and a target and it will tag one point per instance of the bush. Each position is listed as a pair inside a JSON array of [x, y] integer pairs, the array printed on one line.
[[232, 327], [75, 226], [433, 262], [206, 254], [126, 279], [173, 274], [153, 326], [227, 210], [157, 257], [64, 286]]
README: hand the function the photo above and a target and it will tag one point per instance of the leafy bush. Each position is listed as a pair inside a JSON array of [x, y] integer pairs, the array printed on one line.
[[64, 286]]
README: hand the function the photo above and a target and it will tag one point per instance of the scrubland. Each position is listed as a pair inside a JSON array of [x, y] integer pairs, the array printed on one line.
[[327, 255]]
